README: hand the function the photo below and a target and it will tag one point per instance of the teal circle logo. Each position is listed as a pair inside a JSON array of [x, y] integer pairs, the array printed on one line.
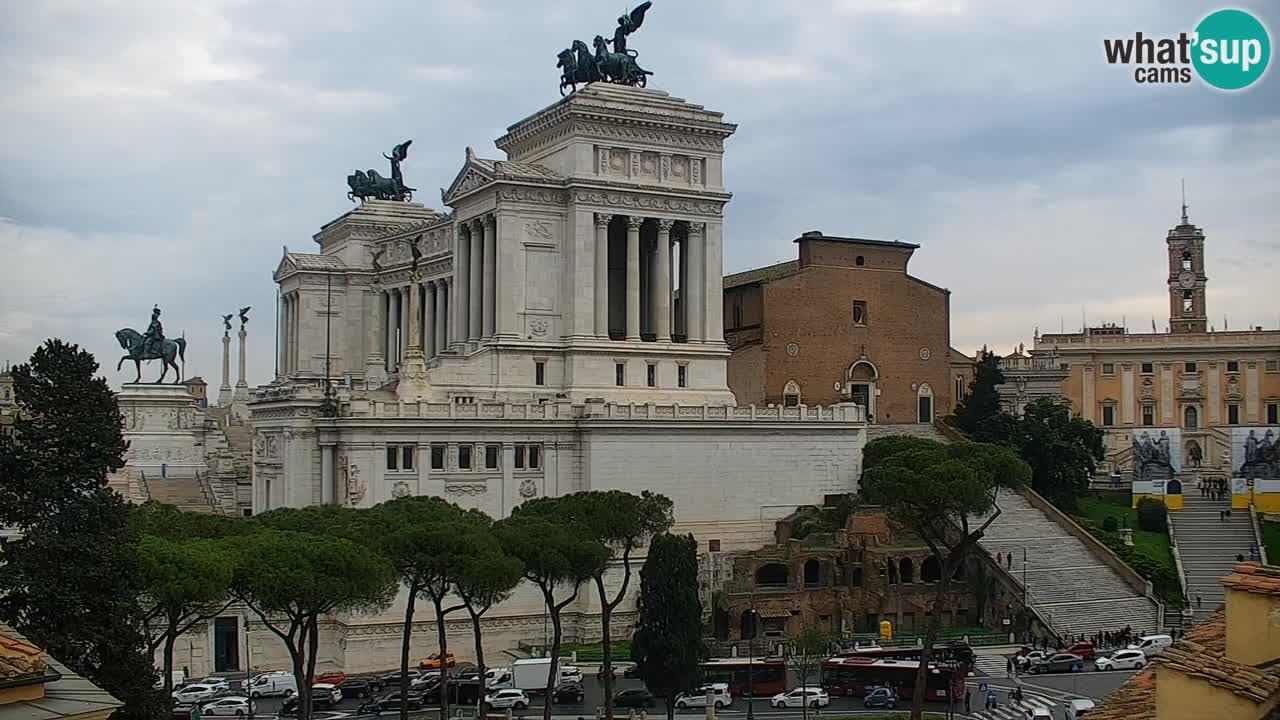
[[1232, 49]]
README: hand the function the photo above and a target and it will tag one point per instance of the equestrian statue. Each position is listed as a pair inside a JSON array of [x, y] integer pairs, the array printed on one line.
[[152, 345], [365, 185], [578, 66]]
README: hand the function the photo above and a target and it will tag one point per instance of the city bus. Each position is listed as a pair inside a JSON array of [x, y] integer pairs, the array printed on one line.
[[953, 652], [768, 676], [856, 676]]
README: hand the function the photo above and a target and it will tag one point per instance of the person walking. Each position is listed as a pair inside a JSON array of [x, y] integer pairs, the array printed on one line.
[[1008, 560], [1199, 601], [999, 559], [967, 708]]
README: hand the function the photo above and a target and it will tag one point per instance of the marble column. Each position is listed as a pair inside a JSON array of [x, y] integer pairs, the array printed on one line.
[[389, 329], [242, 387], [475, 298], [429, 319], [442, 315], [462, 284], [682, 318], [413, 319], [633, 276], [713, 283], [282, 333], [490, 297], [295, 315], [393, 344], [405, 315], [661, 284], [374, 324], [328, 475], [224, 391], [697, 289], [602, 276]]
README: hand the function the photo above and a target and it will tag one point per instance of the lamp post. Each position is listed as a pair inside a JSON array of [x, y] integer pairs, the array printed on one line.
[[247, 692], [751, 662]]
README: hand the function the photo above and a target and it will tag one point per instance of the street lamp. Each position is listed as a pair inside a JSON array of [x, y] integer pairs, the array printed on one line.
[[751, 662]]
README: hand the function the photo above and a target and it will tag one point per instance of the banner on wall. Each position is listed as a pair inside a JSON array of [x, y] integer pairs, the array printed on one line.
[[1157, 456], [1255, 453]]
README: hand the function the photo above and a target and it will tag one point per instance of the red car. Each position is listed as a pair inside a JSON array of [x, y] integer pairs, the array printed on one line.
[[334, 678], [1083, 649]]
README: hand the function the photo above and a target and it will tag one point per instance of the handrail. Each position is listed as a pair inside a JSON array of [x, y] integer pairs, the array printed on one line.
[[1177, 556], [1257, 533], [1044, 618]]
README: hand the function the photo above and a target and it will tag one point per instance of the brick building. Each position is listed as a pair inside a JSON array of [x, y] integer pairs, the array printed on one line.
[[844, 322]]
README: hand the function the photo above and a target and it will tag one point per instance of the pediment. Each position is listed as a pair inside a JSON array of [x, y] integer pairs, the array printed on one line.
[[287, 266], [471, 176]]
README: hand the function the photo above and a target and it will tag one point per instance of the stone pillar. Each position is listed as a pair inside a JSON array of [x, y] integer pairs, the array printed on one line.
[[412, 319], [375, 325], [286, 323], [242, 387], [462, 283], [696, 292], [602, 276], [403, 314], [713, 290], [393, 326], [224, 392], [328, 475], [633, 276], [429, 319], [442, 329], [475, 319], [661, 284], [490, 275], [295, 316], [413, 384]]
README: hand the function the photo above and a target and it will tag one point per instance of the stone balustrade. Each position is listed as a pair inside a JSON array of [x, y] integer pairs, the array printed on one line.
[[599, 410]]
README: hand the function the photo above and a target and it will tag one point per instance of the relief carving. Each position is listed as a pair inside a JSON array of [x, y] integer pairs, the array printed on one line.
[[538, 328], [539, 230], [400, 489], [528, 488], [351, 479]]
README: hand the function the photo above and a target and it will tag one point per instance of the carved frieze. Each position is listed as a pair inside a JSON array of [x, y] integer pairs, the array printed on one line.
[[528, 488], [637, 201], [539, 231], [534, 196], [466, 488]]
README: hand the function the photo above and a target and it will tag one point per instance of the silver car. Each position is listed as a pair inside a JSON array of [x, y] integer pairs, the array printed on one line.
[[234, 705]]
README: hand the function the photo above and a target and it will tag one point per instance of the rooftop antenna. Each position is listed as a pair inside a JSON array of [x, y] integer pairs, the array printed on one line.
[[1184, 202]]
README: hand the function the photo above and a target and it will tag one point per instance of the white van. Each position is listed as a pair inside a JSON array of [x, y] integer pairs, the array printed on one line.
[[273, 683], [1079, 708], [1152, 644], [497, 678]]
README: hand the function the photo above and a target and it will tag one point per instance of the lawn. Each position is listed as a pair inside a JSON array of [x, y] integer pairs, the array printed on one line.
[[1098, 509], [1150, 555], [592, 652], [1271, 539]]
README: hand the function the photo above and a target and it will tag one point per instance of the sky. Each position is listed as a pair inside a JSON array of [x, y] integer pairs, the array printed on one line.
[[165, 152]]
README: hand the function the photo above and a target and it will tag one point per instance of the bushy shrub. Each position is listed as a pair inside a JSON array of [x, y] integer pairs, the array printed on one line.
[[1110, 524], [1153, 516]]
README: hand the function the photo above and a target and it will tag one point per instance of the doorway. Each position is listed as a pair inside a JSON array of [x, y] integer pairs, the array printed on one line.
[[226, 644], [924, 404]]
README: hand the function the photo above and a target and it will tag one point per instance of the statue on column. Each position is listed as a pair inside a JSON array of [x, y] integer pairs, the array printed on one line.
[[152, 345], [226, 325], [244, 316]]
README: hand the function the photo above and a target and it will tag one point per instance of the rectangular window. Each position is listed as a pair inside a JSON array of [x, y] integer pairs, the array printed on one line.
[[437, 457], [400, 457], [1108, 368], [682, 376], [859, 312], [1233, 366], [406, 454], [539, 373], [619, 374], [1108, 415], [1271, 366], [1148, 368], [1273, 413], [1189, 367], [393, 457], [1233, 414], [464, 457], [519, 457], [737, 310], [713, 546], [651, 375], [491, 456], [535, 457], [1148, 415]]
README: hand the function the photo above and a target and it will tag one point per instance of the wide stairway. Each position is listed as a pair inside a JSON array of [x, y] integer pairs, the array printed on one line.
[[1065, 582], [183, 492], [1208, 546]]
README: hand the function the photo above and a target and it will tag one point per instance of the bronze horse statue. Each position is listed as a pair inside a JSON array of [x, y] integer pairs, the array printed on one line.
[[131, 341], [578, 66]]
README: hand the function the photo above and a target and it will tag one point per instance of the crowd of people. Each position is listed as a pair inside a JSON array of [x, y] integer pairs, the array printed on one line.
[[1101, 640], [1213, 488]]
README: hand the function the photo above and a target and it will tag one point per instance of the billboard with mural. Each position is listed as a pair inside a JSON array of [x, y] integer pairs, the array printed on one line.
[[1157, 457], [1255, 453]]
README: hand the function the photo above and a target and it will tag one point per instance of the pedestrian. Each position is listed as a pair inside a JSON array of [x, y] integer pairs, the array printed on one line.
[[967, 708], [1228, 514], [1199, 601], [1008, 560], [999, 559], [1253, 551], [1239, 557], [991, 699], [1221, 516], [1008, 668]]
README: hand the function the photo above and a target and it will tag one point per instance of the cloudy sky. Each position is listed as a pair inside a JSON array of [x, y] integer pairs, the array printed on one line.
[[163, 152]]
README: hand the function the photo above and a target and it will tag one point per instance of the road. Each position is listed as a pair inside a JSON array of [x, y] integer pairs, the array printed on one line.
[[1049, 690]]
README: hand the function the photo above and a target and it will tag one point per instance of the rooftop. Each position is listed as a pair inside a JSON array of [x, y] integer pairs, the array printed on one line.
[[764, 274], [818, 235], [66, 694], [1254, 578]]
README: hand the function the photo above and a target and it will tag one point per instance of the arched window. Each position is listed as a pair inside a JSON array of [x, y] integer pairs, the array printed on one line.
[[855, 577], [1186, 259], [773, 574], [1190, 418], [791, 394], [930, 570], [1188, 302], [893, 571], [924, 403], [812, 572], [905, 570]]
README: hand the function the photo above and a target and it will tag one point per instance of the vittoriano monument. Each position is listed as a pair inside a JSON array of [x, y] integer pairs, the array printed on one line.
[[152, 345], [365, 185], [579, 66]]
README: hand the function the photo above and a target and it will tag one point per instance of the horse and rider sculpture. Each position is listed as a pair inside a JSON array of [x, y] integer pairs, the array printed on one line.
[[365, 185], [578, 66], [152, 345]]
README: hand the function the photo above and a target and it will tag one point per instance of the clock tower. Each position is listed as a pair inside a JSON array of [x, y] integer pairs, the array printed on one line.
[[1187, 310]]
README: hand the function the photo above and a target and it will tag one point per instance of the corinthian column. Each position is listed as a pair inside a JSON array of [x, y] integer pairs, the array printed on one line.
[[490, 297], [633, 276], [475, 319], [375, 325], [429, 320], [461, 283], [602, 275], [442, 315], [242, 387], [696, 295], [662, 284]]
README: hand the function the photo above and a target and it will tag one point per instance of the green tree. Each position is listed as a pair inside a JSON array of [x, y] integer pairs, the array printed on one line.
[[667, 645], [70, 581], [946, 495], [623, 523], [806, 651], [978, 414], [486, 575], [558, 554], [1063, 451], [291, 579]]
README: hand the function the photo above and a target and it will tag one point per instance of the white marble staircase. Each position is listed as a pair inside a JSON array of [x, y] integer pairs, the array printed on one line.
[[1208, 546]]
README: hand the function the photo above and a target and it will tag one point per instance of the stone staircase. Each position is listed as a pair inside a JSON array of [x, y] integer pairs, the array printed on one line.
[[1208, 546], [1065, 581], [183, 492]]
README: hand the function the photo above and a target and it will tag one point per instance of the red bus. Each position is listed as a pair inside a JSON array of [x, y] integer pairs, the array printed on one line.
[[856, 676], [956, 652], [767, 676]]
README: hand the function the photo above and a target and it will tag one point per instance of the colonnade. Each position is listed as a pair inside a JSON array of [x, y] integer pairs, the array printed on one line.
[[653, 300], [434, 330]]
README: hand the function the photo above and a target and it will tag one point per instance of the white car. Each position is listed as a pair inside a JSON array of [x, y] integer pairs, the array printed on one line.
[[497, 678], [1031, 658], [508, 698], [235, 705], [1122, 660], [698, 698], [812, 696], [220, 683], [193, 694], [570, 673], [333, 691]]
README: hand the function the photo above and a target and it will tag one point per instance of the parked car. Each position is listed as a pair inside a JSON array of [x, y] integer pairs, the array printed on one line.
[[232, 705], [177, 680], [273, 683], [800, 697], [1152, 644], [1039, 713], [356, 688], [1079, 708], [509, 698], [1084, 649], [633, 697], [497, 678], [194, 694], [698, 698], [325, 695], [391, 680], [570, 673], [568, 692], [333, 678], [1062, 662], [1026, 660], [1122, 660], [881, 697], [218, 682], [391, 701], [434, 661]]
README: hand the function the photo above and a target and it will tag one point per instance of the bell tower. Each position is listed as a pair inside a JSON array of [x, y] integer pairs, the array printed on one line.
[[1187, 310]]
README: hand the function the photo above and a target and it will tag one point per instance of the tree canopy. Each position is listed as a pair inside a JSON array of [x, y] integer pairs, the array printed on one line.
[[667, 645], [1063, 451], [978, 414]]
